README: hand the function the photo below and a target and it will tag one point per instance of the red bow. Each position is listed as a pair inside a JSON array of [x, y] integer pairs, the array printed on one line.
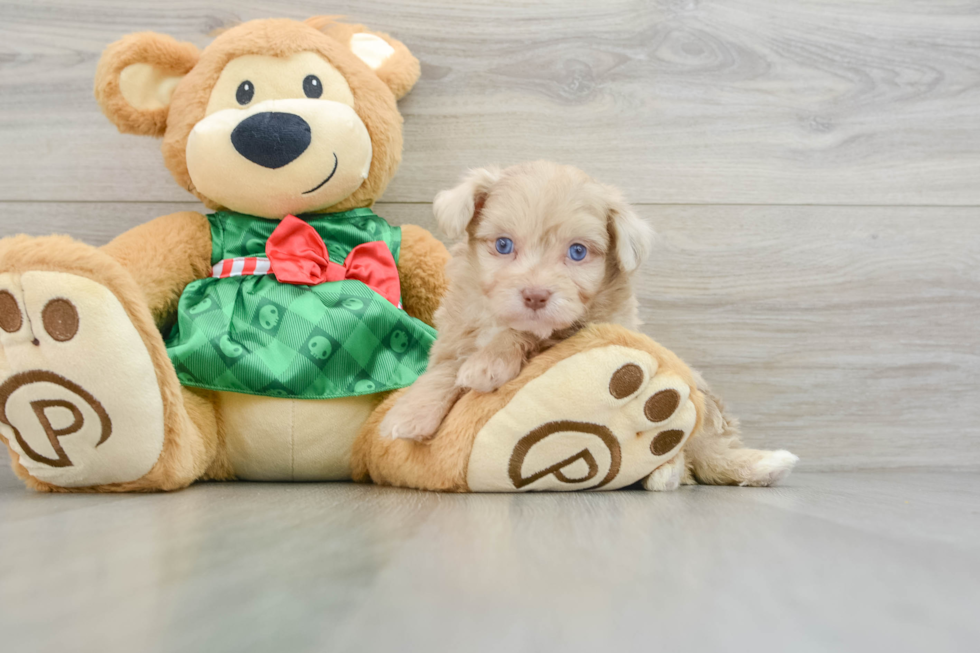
[[299, 256]]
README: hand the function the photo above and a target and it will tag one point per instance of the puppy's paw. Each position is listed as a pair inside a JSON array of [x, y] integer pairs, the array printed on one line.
[[667, 477], [485, 373], [408, 422]]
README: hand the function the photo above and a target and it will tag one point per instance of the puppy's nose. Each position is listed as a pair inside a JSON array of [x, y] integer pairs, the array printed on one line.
[[535, 298], [271, 139]]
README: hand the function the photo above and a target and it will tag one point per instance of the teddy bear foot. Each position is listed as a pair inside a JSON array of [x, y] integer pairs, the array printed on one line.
[[77, 387], [622, 415], [602, 410], [80, 399]]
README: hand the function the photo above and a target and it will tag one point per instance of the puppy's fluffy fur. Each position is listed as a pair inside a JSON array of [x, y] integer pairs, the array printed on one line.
[[487, 329], [504, 306]]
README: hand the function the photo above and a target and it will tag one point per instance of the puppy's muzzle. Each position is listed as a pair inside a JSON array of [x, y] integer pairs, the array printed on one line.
[[536, 298]]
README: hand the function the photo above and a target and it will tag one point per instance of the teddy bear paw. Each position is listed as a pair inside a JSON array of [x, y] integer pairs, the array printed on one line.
[[604, 418], [79, 400]]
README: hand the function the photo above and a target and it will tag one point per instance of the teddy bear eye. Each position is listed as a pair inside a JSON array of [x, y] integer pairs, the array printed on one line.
[[312, 86], [245, 92]]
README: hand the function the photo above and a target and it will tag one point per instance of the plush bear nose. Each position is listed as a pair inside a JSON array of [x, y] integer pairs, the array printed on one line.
[[271, 139], [535, 298]]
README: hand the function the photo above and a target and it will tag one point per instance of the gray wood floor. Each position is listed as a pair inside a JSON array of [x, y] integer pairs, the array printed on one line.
[[812, 167], [859, 561]]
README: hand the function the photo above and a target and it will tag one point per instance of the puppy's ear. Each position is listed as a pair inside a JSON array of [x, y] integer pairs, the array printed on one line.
[[633, 235], [386, 56], [136, 78], [455, 208]]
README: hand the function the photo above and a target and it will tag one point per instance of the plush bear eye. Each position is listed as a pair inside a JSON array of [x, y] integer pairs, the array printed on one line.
[[245, 92], [312, 86], [577, 251], [505, 245]]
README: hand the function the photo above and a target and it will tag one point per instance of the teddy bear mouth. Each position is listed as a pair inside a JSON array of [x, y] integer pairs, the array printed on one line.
[[329, 177]]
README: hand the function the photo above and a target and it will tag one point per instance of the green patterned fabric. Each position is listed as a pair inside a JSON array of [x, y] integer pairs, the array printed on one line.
[[254, 335]]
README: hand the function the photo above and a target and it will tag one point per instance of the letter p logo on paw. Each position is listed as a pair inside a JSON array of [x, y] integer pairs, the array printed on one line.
[[63, 395], [620, 416], [79, 400]]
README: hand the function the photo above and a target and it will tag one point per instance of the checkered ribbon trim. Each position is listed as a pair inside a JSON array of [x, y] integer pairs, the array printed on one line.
[[244, 266], [241, 266]]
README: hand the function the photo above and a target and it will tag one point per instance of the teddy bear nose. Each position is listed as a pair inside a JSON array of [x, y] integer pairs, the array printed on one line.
[[271, 139], [535, 298]]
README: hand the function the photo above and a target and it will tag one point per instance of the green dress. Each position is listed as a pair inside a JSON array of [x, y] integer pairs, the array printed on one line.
[[255, 335]]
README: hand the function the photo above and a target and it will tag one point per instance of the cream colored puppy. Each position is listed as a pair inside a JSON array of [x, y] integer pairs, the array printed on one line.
[[545, 250]]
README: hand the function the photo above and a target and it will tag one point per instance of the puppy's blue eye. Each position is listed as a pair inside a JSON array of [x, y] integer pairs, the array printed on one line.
[[577, 251], [505, 245]]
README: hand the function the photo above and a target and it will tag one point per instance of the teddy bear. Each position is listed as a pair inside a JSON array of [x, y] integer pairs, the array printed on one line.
[[266, 340]]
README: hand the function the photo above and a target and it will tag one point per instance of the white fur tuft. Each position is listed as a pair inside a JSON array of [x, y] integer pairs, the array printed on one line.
[[770, 468]]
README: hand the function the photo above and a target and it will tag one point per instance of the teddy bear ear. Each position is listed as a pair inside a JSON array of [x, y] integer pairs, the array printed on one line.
[[386, 56], [136, 78]]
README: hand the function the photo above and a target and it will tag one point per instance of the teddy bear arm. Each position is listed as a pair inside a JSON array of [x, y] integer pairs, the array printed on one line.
[[422, 269], [163, 256]]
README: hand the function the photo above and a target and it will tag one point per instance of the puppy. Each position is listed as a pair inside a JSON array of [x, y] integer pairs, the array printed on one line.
[[545, 250]]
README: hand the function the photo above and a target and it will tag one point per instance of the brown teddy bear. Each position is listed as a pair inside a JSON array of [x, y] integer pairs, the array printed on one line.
[[254, 344]]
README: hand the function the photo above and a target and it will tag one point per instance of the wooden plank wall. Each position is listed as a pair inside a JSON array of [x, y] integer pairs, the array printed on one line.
[[812, 167]]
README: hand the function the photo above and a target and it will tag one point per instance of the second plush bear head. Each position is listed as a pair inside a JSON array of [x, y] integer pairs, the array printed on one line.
[[274, 117]]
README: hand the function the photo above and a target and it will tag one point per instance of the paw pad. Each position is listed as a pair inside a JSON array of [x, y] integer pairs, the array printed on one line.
[[10, 316], [60, 319], [665, 441], [661, 405], [626, 381]]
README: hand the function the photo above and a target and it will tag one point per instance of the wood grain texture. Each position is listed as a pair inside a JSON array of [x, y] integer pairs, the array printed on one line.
[[678, 101], [838, 563], [849, 335]]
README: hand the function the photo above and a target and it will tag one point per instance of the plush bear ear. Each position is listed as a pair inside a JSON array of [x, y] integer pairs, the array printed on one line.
[[136, 78], [455, 208], [387, 57], [634, 236]]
